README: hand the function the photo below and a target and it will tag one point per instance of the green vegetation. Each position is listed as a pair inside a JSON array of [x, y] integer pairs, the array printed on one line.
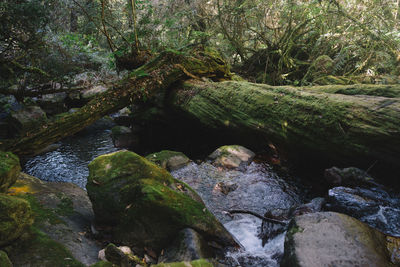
[[9, 170]]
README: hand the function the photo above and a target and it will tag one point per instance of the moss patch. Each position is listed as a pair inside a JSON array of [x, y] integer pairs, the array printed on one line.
[[15, 218], [4, 260], [9, 170]]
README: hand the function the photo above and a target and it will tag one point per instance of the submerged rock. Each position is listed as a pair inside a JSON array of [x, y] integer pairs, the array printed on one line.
[[232, 156], [9, 170], [145, 205], [187, 246], [374, 206], [333, 239], [15, 218], [170, 160]]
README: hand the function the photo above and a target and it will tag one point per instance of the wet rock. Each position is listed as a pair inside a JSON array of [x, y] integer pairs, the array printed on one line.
[[333, 239], [4, 260], [232, 156], [15, 218], [225, 188], [374, 206], [145, 205], [315, 205], [170, 160], [26, 119], [189, 245], [63, 214], [348, 177], [122, 137], [196, 263], [270, 230], [123, 117], [53, 103], [9, 170]]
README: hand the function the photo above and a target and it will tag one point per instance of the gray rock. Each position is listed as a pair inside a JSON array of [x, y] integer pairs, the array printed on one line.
[[23, 120], [188, 246], [333, 239], [94, 91], [232, 156], [53, 103], [123, 137], [170, 160], [374, 206], [347, 177], [315, 205]]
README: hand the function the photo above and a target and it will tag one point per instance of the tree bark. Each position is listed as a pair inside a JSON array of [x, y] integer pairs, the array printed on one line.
[[144, 84], [345, 128]]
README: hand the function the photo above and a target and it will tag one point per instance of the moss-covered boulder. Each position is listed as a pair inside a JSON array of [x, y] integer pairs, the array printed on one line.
[[145, 205], [232, 156], [9, 170], [15, 217], [333, 239], [170, 160], [196, 263], [4, 260], [63, 214]]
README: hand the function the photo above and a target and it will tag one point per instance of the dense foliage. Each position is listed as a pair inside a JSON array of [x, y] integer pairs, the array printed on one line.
[[267, 41]]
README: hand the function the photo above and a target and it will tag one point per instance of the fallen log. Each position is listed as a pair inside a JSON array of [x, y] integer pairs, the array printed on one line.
[[343, 128], [148, 82]]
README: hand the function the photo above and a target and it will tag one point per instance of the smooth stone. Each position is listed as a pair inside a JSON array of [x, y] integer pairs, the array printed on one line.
[[232, 156]]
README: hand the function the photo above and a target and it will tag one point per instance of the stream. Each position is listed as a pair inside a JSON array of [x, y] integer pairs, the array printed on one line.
[[257, 188]]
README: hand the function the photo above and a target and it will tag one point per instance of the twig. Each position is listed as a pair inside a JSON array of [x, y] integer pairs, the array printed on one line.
[[258, 216]]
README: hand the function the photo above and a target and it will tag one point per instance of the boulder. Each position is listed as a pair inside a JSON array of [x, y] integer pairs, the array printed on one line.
[[53, 103], [170, 160], [333, 239], [9, 170], [4, 260], [145, 205], [120, 256], [15, 218], [28, 118], [315, 205], [122, 137], [374, 206], [348, 177], [63, 216], [232, 156], [187, 246]]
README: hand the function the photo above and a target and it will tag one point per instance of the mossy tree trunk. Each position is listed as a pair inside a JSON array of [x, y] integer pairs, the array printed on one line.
[[144, 84], [348, 129]]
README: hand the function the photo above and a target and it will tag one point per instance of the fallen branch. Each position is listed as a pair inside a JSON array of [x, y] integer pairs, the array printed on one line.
[[258, 216]]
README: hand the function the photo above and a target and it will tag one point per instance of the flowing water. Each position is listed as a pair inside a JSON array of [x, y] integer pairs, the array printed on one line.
[[257, 189]]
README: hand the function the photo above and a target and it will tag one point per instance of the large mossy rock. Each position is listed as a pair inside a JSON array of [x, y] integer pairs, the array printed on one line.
[[333, 239], [15, 217], [170, 160], [145, 205], [59, 236], [9, 170]]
